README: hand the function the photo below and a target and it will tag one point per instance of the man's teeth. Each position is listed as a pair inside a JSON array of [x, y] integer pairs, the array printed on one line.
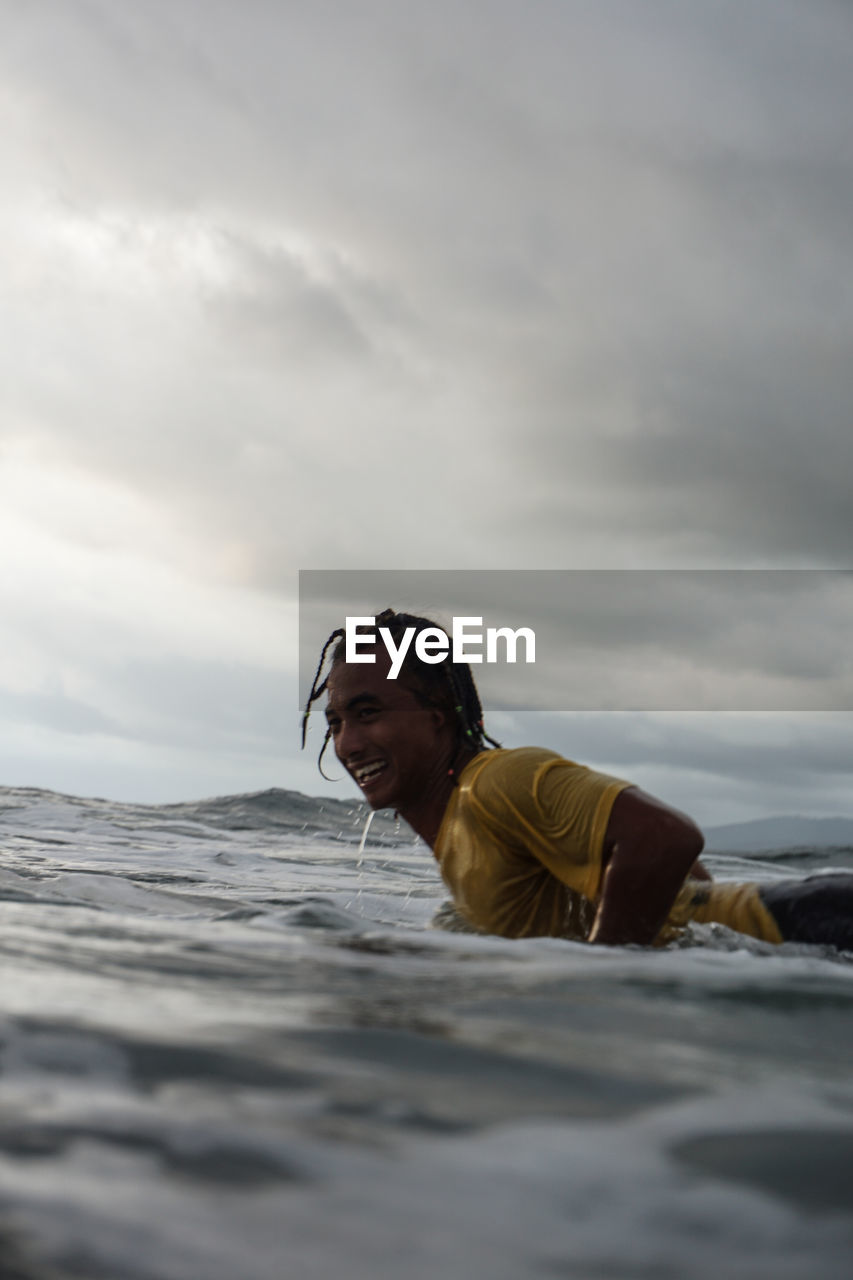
[[369, 771]]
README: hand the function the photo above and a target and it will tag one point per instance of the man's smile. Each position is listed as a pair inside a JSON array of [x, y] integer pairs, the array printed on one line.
[[366, 774]]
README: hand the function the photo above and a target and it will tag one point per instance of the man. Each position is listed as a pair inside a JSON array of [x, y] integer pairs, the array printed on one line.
[[532, 844]]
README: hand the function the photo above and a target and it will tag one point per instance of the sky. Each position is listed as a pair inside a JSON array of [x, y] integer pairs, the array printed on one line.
[[502, 285]]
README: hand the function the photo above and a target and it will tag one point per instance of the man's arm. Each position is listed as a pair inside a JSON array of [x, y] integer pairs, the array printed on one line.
[[649, 849]]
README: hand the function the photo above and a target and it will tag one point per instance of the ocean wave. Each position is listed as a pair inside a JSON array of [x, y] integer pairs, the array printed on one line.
[[231, 1044]]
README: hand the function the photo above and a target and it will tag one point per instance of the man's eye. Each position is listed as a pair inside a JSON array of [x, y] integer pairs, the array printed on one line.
[[367, 713], [333, 725]]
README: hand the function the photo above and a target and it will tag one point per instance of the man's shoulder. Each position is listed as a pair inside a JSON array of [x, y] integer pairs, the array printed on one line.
[[504, 768], [534, 771]]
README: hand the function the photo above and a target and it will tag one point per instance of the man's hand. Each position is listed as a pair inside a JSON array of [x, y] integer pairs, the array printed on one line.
[[649, 849]]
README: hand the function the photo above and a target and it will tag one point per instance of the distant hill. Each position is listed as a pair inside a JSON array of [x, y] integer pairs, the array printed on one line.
[[780, 833]]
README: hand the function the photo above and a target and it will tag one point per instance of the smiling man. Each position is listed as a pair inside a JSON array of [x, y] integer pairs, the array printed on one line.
[[530, 843]]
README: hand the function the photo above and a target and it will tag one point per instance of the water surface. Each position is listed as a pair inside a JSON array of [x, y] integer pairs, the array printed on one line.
[[233, 1048]]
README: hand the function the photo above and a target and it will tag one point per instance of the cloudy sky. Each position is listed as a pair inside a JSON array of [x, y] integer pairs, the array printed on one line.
[[350, 284]]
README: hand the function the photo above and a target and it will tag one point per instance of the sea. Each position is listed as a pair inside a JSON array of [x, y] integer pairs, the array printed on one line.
[[235, 1044]]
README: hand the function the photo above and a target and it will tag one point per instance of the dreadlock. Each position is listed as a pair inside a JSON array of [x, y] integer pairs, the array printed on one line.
[[448, 684]]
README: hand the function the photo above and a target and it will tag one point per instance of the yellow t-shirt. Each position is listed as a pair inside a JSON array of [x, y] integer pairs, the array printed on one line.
[[739, 906], [520, 848]]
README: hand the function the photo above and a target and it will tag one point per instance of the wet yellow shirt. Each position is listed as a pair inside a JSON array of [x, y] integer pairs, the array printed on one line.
[[520, 848]]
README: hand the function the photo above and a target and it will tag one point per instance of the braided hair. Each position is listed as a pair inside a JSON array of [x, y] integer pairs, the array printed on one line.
[[446, 684]]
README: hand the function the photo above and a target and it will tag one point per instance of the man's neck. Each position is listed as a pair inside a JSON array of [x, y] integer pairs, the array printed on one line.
[[426, 815]]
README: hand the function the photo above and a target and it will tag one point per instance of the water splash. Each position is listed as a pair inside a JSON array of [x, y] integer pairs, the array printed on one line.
[[360, 863]]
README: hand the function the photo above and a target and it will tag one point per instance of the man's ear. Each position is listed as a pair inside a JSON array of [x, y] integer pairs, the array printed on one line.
[[439, 717]]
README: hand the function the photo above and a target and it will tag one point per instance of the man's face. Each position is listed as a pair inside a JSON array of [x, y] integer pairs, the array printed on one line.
[[386, 739]]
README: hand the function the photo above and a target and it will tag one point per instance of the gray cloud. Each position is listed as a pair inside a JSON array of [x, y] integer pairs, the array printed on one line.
[[541, 285], [56, 709], [201, 703], [614, 244]]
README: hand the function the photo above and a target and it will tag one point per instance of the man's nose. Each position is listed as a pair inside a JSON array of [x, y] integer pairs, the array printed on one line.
[[350, 740]]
